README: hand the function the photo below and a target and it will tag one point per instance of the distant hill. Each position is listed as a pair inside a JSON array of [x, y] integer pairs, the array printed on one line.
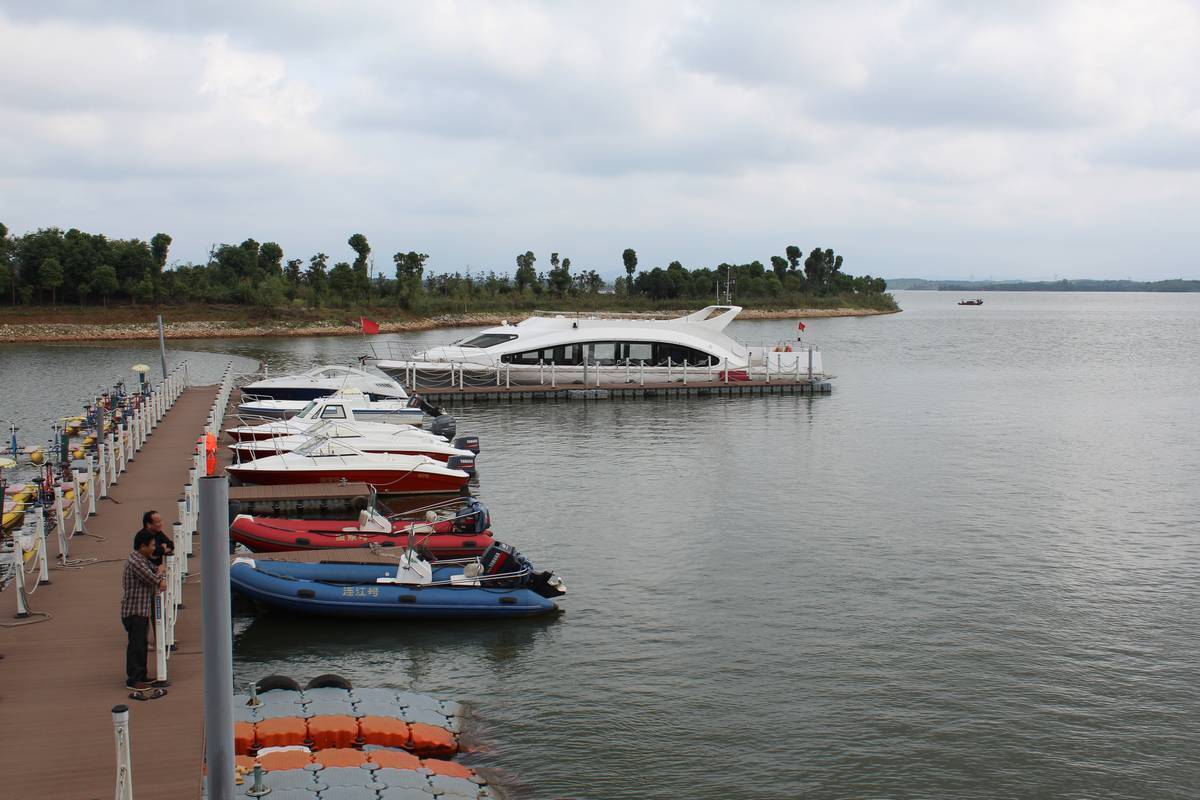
[[1064, 285]]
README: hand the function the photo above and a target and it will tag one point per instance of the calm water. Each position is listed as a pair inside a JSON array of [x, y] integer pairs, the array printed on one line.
[[972, 571]]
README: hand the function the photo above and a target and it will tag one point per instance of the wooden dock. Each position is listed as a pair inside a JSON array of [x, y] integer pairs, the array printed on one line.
[[605, 391], [60, 678]]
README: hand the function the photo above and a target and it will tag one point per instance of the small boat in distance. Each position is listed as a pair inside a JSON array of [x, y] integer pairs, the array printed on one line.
[[978, 301]]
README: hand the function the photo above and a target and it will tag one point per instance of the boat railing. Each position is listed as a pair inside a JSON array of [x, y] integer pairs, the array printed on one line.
[[766, 363]]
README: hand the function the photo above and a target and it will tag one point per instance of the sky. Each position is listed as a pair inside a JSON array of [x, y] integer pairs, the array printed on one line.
[[1016, 140]]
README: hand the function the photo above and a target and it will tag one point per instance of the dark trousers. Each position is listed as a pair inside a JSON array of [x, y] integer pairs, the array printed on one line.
[[135, 653]]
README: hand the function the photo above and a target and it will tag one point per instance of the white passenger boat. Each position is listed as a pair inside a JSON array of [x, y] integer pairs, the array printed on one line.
[[564, 348], [346, 404], [328, 461], [367, 437], [324, 381]]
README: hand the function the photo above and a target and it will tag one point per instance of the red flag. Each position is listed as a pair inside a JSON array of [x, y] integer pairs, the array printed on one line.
[[368, 326], [800, 325]]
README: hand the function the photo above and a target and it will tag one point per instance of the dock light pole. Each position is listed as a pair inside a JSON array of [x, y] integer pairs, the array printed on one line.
[[217, 636]]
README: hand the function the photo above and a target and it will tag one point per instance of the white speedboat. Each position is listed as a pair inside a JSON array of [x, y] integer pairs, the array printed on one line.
[[324, 381], [564, 348], [345, 404], [377, 438], [329, 461]]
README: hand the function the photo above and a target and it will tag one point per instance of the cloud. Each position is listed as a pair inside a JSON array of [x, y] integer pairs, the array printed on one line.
[[687, 129]]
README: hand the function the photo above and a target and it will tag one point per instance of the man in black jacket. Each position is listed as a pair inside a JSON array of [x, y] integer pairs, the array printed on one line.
[[163, 546]]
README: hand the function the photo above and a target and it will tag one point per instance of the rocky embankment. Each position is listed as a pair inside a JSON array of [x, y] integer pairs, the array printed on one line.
[[210, 329]]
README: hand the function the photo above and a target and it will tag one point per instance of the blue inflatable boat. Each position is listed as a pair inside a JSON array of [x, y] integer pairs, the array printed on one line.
[[499, 583]]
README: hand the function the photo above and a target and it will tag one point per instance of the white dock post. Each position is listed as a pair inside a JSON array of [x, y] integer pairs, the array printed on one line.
[[60, 523], [685, 366], [101, 470], [92, 481], [160, 644], [767, 361], [507, 372], [77, 506], [725, 371], [181, 552], [553, 379], [642, 372], [173, 590], [120, 717], [461, 378], [497, 375], [119, 441], [668, 369], [110, 446], [541, 372], [18, 556], [810, 377], [40, 527]]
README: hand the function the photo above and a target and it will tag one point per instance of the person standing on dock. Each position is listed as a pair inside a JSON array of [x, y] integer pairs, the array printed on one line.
[[163, 546], [139, 583]]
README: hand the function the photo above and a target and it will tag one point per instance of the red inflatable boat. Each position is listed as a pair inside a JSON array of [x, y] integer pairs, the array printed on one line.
[[465, 534]]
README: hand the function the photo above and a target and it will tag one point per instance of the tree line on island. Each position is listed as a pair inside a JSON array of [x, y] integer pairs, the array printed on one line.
[[50, 265]]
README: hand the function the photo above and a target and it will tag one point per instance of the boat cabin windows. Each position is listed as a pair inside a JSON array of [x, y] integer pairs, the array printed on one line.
[[654, 354], [485, 340], [333, 412]]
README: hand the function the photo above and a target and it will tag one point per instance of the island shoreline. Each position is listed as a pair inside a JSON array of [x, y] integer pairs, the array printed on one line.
[[28, 332]]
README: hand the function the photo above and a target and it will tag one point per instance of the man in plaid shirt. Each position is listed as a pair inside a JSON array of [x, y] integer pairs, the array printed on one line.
[[139, 583]]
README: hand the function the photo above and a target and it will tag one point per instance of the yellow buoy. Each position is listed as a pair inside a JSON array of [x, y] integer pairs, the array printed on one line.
[[37, 456], [77, 452]]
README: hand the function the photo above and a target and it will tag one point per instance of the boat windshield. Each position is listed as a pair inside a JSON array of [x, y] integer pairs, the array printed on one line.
[[485, 340], [304, 412]]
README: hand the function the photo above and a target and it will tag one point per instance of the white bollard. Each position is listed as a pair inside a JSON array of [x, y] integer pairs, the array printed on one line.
[[40, 526], [110, 457], [92, 488], [642, 372], [553, 379], [181, 552], [60, 524], [101, 471], [18, 557], [77, 506], [160, 643], [119, 444], [120, 717]]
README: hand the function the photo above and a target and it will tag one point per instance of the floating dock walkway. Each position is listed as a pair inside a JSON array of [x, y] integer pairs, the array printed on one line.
[[605, 391], [61, 677]]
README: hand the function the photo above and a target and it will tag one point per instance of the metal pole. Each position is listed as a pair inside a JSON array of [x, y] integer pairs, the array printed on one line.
[[217, 636], [162, 346], [120, 718]]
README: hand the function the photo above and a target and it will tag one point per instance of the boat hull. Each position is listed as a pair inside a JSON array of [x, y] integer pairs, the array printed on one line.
[[384, 481], [350, 590], [269, 535]]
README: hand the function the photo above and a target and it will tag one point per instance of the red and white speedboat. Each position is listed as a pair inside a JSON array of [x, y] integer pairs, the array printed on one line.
[[463, 533], [368, 437], [330, 461]]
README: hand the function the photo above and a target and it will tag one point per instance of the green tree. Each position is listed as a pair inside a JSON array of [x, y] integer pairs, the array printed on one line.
[[316, 279], [793, 254], [629, 257], [160, 245], [342, 282], [293, 271], [50, 275], [270, 259], [362, 274], [526, 274], [104, 282], [780, 266], [410, 268], [560, 274], [8, 278]]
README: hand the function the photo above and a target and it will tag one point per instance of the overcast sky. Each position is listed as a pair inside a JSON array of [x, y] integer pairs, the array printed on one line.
[[918, 139]]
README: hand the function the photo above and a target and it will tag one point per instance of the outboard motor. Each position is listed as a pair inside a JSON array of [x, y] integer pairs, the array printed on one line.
[[472, 518], [501, 558], [468, 443], [416, 401], [547, 585], [444, 425], [465, 463]]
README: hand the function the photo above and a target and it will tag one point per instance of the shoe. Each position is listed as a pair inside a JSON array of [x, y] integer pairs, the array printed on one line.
[[139, 686]]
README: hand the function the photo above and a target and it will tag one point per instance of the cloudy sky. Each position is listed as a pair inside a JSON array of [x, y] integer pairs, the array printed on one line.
[[959, 139]]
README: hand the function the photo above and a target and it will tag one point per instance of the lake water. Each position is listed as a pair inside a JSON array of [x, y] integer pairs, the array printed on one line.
[[971, 571]]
